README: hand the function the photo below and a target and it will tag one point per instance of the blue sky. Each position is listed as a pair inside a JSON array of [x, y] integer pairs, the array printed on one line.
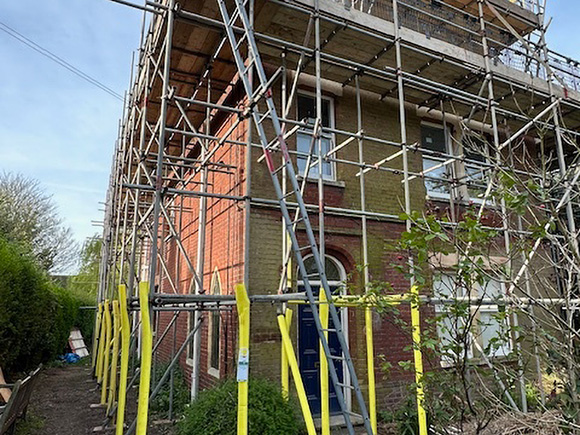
[[59, 129], [54, 126]]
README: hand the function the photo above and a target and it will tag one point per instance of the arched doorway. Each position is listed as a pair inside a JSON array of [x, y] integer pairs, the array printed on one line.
[[308, 342]]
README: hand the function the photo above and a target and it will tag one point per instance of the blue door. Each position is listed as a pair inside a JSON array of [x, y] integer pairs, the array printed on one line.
[[309, 359]]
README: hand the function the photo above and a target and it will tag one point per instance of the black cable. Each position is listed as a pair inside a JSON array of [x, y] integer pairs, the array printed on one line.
[[47, 53]]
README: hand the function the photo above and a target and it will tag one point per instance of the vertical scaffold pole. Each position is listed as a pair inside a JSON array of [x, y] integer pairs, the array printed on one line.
[[570, 217], [496, 142], [146, 353], [324, 391], [114, 357], [124, 370], [243, 305], [106, 354], [200, 253], [416, 325], [101, 350], [371, 367], [285, 374], [422, 417], [96, 337], [161, 151], [366, 276]]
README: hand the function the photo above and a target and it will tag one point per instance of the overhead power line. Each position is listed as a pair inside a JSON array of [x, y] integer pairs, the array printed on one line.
[[47, 53]]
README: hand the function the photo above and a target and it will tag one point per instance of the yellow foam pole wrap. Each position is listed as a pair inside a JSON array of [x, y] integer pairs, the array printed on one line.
[[146, 355], [95, 349], [115, 357], [416, 325], [243, 307], [102, 336], [324, 394], [106, 354], [371, 368], [285, 375], [125, 343], [287, 343]]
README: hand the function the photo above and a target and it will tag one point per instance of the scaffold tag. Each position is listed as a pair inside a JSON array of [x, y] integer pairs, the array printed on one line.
[[243, 364]]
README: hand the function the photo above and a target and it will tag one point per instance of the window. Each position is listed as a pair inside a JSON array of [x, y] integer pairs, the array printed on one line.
[[331, 269], [439, 167], [214, 328], [307, 113], [488, 323], [435, 168], [476, 177], [492, 322], [451, 325], [190, 322]]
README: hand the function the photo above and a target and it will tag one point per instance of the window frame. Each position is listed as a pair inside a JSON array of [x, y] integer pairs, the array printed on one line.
[[476, 329], [215, 289], [446, 133], [458, 168], [465, 166], [308, 132]]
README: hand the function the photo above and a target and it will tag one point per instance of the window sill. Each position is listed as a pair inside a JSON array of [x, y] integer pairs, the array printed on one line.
[[332, 183], [214, 372], [437, 197], [460, 201], [478, 361]]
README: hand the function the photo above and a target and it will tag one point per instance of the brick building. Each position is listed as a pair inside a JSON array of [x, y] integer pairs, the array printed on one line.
[[410, 105]]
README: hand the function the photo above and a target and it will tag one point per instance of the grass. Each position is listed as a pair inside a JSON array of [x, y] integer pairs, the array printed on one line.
[[30, 426]]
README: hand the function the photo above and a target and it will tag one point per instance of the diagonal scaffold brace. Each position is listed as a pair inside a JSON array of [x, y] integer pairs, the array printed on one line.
[[263, 94]]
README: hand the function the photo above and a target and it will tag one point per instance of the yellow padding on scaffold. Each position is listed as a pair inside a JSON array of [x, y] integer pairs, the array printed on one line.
[[243, 306], [285, 369], [371, 368], [287, 343], [115, 357], [324, 393], [101, 347], [416, 324], [125, 343], [96, 337], [146, 355], [106, 354]]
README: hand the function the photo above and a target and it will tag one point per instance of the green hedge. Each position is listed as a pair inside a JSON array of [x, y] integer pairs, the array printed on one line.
[[214, 412], [36, 316]]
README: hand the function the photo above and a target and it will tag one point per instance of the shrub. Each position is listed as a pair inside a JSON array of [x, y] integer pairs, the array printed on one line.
[[35, 315], [215, 411], [181, 393]]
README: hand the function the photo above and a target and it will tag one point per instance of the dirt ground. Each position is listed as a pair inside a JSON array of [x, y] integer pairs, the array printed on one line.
[[61, 404]]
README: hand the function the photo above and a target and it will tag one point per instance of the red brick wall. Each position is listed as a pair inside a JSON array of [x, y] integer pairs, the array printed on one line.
[[224, 252]]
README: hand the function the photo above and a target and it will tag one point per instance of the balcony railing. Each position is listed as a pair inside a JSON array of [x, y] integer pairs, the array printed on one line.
[[441, 21], [530, 5]]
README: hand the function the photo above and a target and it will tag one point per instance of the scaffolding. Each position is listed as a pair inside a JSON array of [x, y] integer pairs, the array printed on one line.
[[214, 76]]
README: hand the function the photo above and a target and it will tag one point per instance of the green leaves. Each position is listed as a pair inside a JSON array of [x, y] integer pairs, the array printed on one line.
[[35, 315], [29, 217], [215, 411]]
